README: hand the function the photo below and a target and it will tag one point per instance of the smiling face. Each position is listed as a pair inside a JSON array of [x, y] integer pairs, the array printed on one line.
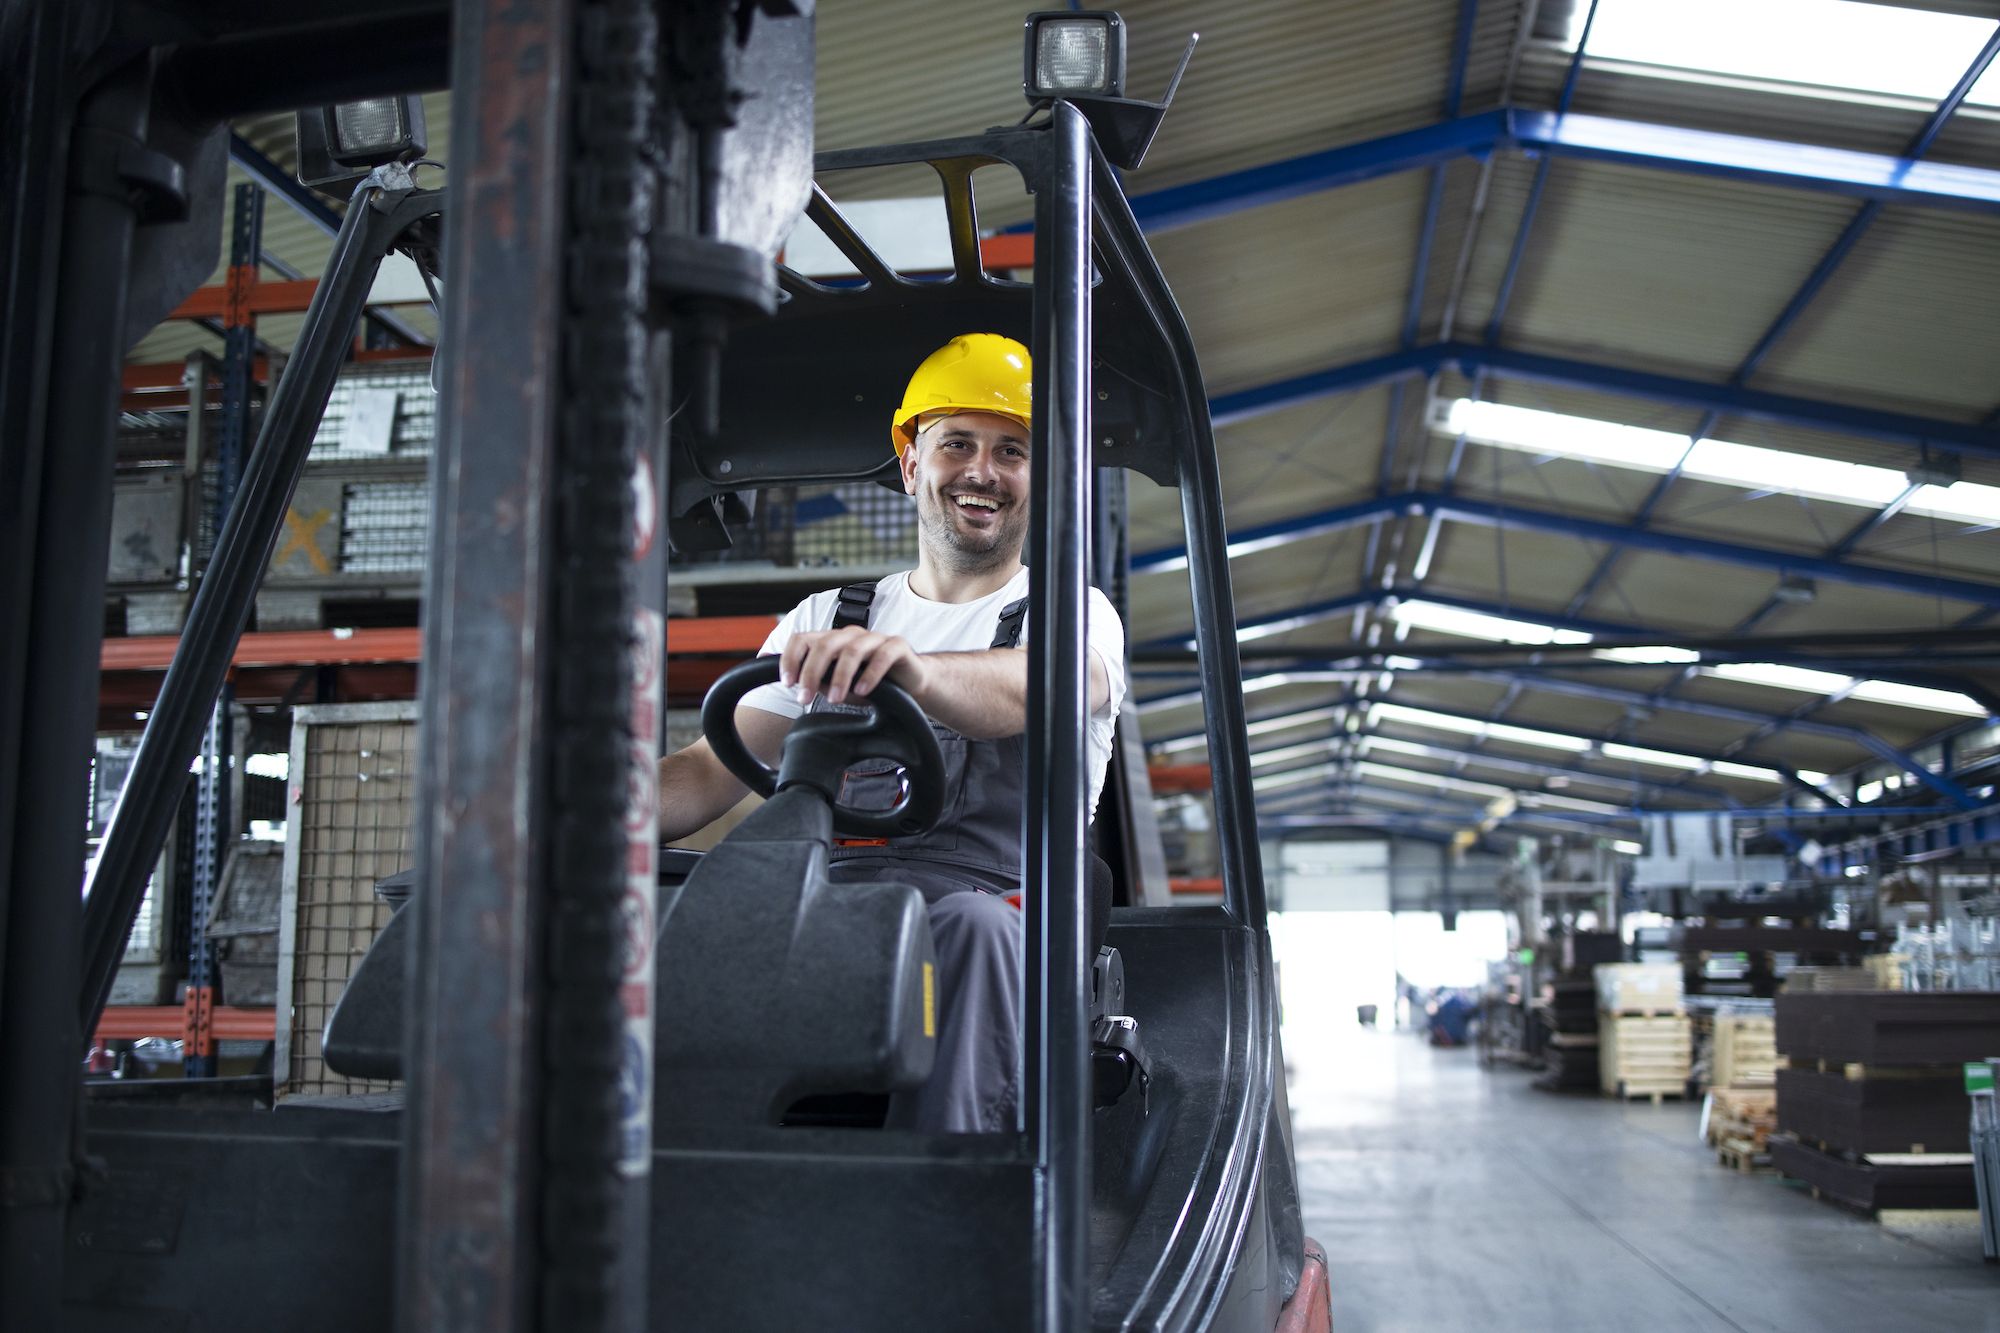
[[969, 473]]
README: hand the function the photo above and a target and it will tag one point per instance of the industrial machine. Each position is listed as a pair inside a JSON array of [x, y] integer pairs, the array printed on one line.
[[567, 1151]]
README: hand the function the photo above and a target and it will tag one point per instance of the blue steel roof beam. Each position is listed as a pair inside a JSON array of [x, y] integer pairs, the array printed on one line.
[[1872, 176], [1937, 782], [1815, 282], [282, 183], [1472, 359], [1468, 15], [1487, 513], [1855, 536], [1642, 786], [1594, 738]]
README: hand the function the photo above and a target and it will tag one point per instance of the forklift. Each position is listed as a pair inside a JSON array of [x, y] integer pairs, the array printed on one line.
[[639, 1087]]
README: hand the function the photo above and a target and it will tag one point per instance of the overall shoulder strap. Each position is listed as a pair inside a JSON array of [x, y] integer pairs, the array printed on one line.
[[1012, 615], [852, 607]]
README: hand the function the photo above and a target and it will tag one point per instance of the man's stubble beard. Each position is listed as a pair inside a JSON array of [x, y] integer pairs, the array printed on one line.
[[954, 549]]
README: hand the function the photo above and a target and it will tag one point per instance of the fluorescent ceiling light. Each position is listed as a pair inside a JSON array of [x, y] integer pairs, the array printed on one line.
[[1917, 696], [1442, 781], [1498, 629], [1629, 848], [1557, 801], [1420, 614], [1803, 679], [1652, 655], [1750, 772], [1423, 717], [1871, 48], [1815, 779], [1638, 754], [1292, 752], [1809, 681], [1867, 792], [1291, 779], [1501, 731], [1557, 434]]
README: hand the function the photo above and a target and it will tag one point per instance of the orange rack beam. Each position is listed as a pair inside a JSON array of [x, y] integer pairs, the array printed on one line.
[[130, 1022], [1208, 884], [309, 647], [1168, 778]]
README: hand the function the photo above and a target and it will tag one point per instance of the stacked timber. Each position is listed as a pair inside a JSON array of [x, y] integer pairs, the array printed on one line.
[[1568, 1007], [1643, 1044], [1871, 1100], [1738, 1072]]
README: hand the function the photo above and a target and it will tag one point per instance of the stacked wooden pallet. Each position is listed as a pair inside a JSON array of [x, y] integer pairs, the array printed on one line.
[[1643, 1045], [1871, 1105], [1744, 1053]]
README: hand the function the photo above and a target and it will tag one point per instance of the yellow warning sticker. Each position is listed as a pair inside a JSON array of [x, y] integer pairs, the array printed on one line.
[[930, 1002]]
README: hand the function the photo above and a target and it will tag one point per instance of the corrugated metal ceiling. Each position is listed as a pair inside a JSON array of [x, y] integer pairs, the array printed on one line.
[[1626, 267]]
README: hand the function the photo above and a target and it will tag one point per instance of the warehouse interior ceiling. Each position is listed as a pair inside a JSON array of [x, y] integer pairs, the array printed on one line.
[[1601, 428]]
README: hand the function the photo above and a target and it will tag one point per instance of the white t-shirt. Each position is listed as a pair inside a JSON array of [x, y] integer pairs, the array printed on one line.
[[958, 627]]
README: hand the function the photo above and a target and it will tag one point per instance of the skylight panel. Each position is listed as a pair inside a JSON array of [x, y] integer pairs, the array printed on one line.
[[1780, 471], [1824, 44]]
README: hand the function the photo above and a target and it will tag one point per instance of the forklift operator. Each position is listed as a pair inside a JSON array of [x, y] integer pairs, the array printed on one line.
[[949, 632]]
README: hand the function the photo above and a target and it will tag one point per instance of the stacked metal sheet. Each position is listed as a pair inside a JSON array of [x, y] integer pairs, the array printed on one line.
[[1871, 1107], [1569, 1061]]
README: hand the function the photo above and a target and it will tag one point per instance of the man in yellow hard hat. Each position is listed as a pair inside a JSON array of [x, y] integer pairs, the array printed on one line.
[[950, 633]]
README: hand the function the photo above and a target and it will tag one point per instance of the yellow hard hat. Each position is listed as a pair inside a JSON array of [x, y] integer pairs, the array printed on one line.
[[974, 372]]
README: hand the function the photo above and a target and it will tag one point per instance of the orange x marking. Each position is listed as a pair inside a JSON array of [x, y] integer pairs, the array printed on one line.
[[300, 532]]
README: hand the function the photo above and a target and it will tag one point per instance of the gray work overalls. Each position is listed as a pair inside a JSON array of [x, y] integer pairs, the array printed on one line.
[[961, 867]]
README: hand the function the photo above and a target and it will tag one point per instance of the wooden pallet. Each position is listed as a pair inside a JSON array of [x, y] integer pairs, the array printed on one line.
[[1655, 1093], [1744, 1156]]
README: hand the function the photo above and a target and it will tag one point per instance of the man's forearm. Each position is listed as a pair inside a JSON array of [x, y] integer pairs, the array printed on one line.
[[980, 695], [695, 791], [984, 695]]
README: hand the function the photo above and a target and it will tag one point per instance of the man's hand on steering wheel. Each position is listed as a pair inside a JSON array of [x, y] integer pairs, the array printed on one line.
[[850, 662]]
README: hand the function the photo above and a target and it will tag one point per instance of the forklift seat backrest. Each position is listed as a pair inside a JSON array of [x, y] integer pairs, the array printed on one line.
[[777, 984]]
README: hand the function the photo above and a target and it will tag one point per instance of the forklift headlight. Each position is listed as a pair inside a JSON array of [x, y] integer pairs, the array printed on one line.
[[338, 145], [367, 130], [1075, 54]]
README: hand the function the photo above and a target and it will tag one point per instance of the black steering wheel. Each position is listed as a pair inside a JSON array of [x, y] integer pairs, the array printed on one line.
[[821, 747]]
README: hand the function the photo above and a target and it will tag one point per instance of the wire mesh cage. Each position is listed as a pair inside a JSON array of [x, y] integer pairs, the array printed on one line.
[[847, 525], [353, 780]]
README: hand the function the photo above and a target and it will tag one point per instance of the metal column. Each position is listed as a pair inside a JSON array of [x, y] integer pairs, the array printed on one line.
[[523, 1195], [215, 821], [59, 498], [1058, 1100]]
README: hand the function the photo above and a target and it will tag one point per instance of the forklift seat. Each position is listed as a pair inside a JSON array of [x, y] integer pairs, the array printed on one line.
[[776, 984]]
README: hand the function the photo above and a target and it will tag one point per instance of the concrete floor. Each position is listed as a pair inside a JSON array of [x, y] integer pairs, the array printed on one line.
[[1452, 1198]]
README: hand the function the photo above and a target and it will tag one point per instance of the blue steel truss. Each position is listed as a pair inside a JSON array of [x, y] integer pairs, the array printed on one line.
[[1869, 176], [1474, 359], [1529, 519]]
